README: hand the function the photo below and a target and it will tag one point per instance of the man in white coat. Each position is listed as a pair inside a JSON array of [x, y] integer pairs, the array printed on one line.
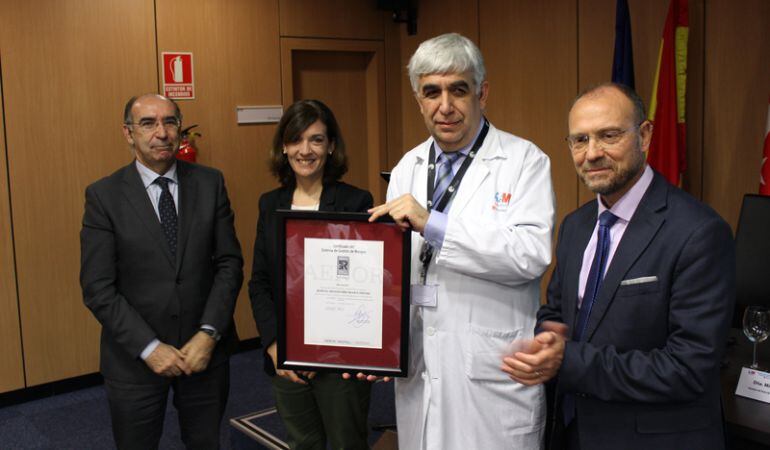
[[481, 207]]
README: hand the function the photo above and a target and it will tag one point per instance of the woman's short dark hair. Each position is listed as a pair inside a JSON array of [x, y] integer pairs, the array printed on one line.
[[297, 118]]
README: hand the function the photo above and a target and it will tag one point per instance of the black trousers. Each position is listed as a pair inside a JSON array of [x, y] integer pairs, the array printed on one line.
[[571, 436], [327, 409], [138, 410]]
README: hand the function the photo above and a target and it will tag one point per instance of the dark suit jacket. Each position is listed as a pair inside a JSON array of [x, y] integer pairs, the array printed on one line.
[[647, 375], [136, 289], [339, 197]]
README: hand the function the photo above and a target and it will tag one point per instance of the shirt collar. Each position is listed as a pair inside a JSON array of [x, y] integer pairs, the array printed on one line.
[[148, 176], [626, 206], [465, 150]]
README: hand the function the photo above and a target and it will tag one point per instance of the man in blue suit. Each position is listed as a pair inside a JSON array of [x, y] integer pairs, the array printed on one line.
[[640, 301]]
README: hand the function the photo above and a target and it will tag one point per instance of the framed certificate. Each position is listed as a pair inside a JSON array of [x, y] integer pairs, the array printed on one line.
[[343, 293]]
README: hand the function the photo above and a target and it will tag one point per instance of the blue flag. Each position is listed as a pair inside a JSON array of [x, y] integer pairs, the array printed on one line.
[[623, 61]]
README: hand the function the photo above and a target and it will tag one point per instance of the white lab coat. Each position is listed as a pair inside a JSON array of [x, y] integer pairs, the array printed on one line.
[[496, 248]]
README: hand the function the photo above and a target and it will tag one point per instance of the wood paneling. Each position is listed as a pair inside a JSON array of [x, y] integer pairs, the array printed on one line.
[[68, 68], [406, 127], [527, 96], [340, 19], [595, 38], [237, 62], [11, 367], [735, 110], [692, 179], [348, 77]]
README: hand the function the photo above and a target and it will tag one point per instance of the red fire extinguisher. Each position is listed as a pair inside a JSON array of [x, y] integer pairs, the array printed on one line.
[[187, 151]]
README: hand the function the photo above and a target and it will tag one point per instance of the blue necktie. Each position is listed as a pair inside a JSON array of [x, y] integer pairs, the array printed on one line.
[[167, 213], [593, 284], [596, 274], [444, 174]]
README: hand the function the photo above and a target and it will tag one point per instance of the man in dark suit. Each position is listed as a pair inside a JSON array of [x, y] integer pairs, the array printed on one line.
[[640, 301], [162, 284]]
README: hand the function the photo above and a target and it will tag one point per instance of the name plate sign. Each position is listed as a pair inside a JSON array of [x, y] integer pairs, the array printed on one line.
[[754, 384]]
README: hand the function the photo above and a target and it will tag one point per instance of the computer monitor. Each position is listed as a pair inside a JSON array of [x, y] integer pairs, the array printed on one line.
[[752, 254]]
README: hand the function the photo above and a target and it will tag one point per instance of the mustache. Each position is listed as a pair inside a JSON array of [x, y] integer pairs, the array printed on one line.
[[596, 165]]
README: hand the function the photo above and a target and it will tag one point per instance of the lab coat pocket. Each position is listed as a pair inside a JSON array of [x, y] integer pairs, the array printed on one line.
[[484, 349]]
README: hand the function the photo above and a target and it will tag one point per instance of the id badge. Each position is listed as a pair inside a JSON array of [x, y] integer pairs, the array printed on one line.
[[425, 295]]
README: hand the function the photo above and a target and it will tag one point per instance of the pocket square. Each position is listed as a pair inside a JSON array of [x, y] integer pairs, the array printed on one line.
[[639, 280]]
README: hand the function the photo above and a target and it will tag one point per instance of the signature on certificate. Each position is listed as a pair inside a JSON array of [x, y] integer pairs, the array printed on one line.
[[360, 317]]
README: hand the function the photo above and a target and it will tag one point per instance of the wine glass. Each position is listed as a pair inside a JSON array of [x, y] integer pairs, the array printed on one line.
[[756, 327]]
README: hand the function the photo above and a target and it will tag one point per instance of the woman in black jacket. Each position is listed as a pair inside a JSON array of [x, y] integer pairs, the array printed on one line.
[[308, 158]]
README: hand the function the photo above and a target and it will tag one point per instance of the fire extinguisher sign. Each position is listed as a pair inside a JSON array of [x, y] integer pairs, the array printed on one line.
[[178, 75]]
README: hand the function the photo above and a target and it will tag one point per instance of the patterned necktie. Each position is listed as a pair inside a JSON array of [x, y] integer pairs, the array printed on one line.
[[167, 212], [593, 284], [444, 174]]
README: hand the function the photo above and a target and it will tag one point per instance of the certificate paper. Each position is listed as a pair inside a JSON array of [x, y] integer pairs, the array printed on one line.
[[343, 292]]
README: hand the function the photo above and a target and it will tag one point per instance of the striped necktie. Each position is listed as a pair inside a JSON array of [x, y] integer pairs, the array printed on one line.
[[444, 174]]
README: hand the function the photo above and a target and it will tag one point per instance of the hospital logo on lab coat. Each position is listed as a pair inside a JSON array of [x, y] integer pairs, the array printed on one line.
[[502, 199]]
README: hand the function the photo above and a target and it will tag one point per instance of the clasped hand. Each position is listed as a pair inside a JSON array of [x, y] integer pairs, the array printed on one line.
[[537, 360], [194, 357]]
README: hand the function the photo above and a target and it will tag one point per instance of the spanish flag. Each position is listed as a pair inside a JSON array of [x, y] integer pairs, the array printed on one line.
[[764, 173], [668, 149]]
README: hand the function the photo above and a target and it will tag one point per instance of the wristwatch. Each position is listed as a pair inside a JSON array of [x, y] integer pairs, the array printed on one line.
[[213, 333]]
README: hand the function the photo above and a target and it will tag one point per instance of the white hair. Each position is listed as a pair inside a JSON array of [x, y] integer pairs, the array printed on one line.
[[448, 53]]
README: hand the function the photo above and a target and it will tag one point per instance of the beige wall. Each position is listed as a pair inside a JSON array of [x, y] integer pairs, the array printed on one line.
[[68, 67]]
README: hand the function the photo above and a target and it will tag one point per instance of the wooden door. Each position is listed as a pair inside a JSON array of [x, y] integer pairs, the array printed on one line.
[[11, 369], [348, 76]]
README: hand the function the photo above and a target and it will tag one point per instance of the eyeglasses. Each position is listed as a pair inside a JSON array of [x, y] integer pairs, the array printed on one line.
[[578, 143], [149, 125]]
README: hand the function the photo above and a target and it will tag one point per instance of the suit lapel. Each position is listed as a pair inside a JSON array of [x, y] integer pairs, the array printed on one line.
[[284, 198], [188, 193], [328, 197], [585, 228], [642, 228], [136, 194]]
